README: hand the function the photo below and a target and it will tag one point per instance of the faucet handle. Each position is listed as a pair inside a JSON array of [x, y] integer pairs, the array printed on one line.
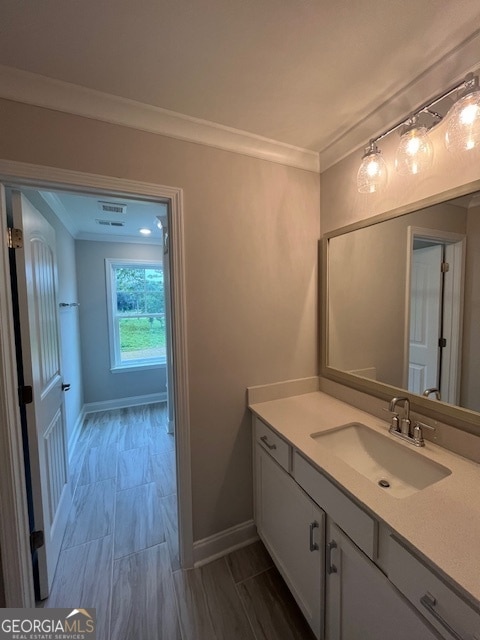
[[424, 425], [395, 423], [418, 433]]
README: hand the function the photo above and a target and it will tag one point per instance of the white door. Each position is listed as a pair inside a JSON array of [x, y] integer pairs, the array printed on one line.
[[425, 315], [37, 292]]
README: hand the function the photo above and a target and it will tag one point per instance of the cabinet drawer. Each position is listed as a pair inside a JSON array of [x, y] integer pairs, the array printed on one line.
[[357, 524], [273, 443], [442, 607]]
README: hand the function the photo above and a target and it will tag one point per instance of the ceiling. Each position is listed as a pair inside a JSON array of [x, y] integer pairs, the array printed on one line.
[[81, 213], [302, 72]]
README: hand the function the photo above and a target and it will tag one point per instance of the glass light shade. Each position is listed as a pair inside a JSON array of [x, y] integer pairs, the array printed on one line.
[[372, 174], [463, 125], [415, 151]]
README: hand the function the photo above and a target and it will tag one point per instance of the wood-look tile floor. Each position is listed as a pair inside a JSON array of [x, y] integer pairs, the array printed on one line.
[[120, 551]]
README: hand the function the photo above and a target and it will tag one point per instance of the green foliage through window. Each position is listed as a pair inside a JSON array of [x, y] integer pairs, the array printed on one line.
[[139, 291], [140, 313]]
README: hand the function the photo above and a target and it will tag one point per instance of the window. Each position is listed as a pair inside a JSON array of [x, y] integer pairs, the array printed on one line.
[[136, 310]]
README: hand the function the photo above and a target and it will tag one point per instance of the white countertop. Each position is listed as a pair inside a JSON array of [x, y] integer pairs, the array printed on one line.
[[441, 521]]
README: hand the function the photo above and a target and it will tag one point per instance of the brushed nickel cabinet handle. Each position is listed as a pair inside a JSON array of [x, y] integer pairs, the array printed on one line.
[[331, 568], [429, 602], [265, 441], [313, 544]]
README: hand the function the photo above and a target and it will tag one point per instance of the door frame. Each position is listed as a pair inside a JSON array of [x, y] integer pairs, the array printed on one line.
[[14, 529], [453, 305]]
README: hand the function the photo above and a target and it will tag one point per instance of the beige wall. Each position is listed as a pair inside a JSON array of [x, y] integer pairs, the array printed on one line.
[[251, 232]]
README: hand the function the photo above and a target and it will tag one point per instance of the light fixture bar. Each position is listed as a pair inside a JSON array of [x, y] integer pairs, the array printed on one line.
[[415, 151], [425, 107]]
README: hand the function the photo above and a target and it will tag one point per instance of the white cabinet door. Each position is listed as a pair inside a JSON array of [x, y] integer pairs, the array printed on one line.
[[362, 604], [292, 527]]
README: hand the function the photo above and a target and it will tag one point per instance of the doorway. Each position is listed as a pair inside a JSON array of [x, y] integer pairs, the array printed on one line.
[[79, 295], [435, 281], [19, 589]]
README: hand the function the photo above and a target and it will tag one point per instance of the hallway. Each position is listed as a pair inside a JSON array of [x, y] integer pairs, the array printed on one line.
[[120, 550]]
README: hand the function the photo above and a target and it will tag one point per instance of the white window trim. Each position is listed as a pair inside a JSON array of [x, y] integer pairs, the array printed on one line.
[[116, 366]]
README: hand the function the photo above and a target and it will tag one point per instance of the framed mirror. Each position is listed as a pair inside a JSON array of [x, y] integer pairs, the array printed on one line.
[[401, 306]]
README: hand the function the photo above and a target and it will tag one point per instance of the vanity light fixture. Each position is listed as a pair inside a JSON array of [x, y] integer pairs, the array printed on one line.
[[372, 175], [463, 126], [415, 151], [145, 232]]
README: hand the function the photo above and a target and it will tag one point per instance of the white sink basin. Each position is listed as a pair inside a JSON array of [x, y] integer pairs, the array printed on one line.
[[398, 470]]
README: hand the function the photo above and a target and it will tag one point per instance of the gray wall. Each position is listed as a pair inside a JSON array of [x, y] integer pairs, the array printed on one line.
[[99, 383]]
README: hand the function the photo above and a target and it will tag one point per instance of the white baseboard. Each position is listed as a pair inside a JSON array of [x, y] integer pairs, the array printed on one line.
[[72, 441], [220, 544], [121, 403]]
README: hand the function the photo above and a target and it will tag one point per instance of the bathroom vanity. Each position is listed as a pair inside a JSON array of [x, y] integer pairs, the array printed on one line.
[[365, 559]]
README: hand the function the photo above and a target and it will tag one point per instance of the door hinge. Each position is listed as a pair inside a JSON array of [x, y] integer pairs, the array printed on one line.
[[25, 395], [445, 267], [37, 540], [442, 342], [15, 238]]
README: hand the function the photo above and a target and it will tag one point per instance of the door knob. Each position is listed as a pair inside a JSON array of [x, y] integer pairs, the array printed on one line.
[[66, 387]]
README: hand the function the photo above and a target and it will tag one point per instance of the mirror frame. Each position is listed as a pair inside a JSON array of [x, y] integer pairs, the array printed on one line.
[[460, 417]]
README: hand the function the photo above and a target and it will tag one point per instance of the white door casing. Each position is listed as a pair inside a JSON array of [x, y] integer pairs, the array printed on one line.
[[14, 522], [453, 302], [168, 323], [40, 337]]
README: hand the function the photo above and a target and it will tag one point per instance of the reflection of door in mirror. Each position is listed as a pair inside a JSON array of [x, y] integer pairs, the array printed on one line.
[[425, 323], [435, 298], [367, 275]]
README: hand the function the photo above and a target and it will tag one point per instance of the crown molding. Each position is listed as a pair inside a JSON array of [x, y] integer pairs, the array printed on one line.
[[56, 205], [41, 91], [446, 71]]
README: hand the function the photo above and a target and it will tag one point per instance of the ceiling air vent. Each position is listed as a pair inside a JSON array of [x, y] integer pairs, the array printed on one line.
[[110, 223], [112, 207]]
